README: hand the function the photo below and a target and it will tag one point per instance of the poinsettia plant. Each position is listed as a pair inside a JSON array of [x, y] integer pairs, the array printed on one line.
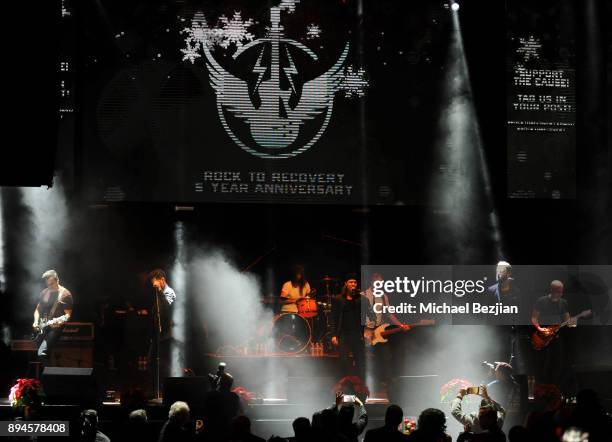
[[26, 392], [409, 425], [244, 394]]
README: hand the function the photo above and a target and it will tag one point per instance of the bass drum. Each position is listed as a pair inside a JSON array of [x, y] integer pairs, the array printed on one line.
[[291, 333]]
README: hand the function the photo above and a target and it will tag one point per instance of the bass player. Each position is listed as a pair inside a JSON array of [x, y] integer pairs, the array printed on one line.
[[548, 311], [378, 357]]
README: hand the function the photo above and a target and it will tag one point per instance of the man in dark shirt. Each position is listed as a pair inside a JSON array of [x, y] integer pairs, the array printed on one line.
[[506, 291], [516, 326], [550, 310], [347, 314], [379, 357], [55, 303], [221, 406]]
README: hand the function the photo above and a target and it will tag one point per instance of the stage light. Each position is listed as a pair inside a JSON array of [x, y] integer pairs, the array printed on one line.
[[455, 6], [461, 187]]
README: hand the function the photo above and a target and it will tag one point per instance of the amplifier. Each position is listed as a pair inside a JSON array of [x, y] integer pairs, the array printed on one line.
[[23, 345], [78, 331], [72, 354]]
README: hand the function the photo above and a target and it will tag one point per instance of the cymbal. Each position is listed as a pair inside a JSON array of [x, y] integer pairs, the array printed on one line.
[[328, 279]]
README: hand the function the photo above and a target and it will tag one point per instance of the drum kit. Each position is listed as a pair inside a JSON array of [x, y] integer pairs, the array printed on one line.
[[312, 324]]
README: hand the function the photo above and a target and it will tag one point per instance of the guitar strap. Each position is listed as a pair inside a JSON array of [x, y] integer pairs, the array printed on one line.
[[60, 292]]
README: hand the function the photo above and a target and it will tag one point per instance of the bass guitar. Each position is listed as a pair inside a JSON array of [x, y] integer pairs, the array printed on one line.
[[377, 335], [43, 324], [541, 340]]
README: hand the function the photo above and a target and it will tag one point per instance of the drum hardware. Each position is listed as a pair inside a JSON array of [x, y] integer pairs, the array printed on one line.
[[328, 279]]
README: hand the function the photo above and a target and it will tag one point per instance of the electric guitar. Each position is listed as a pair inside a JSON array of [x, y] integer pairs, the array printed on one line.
[[42, 325], [541, 340], [377, 336]]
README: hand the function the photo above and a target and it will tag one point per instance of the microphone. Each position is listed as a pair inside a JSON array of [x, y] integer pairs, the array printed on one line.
[[488, 365]]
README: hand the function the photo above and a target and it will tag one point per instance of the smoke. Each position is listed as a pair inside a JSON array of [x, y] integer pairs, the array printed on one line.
[[228, 299], [1, 246], [6, 335], [49, 225], [178, 277]]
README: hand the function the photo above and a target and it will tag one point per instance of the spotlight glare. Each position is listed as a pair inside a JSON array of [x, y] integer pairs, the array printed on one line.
[[455, 6], [179, 282]]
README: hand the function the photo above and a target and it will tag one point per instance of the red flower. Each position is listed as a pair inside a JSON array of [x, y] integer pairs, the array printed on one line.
[[357, 383], [26, 392], [244, 394]]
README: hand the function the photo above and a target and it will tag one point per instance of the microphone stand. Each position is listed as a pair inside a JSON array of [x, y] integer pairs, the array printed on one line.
[[157, 319], [259, 258]]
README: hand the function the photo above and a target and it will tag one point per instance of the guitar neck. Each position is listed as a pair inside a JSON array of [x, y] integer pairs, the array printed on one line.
[[564, 324], [569, 321], [58, 320], [399, 329], [392, 331]]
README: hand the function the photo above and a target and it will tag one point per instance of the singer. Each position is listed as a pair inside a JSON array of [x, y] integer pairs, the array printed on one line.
[[158, 281], [506, 291], [161, 341]]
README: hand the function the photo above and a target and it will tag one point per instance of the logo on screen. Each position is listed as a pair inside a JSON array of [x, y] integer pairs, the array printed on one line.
[[274, 116]]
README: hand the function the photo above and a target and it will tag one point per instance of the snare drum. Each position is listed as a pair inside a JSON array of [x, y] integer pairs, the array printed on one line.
[[307, 307]]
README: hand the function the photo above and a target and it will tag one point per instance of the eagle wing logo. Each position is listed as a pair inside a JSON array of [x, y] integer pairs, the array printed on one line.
[[274, 125]]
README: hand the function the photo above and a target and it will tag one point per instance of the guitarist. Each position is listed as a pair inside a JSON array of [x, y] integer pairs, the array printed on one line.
[[379, 355], [550, 310], [55, 301]]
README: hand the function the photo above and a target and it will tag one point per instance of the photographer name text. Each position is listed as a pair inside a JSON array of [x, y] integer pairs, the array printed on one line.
[[444, 308]]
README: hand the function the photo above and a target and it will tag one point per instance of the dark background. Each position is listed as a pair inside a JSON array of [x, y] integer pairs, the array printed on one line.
[[142, 116]]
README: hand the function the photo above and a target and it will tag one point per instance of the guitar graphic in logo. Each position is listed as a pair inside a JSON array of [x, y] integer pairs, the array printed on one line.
[[276, 124]]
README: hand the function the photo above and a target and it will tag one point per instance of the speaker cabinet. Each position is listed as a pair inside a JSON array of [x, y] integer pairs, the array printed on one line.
[[70, 386], [72, 354]]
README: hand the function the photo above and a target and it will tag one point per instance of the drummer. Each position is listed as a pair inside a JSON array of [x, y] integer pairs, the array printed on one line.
[[293, 290]]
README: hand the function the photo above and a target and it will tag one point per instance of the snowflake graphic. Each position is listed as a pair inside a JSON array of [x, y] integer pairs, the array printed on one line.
[[354, 83], [313, 31], [230, 31], [197, 35], [234, 30], [530, 48]]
